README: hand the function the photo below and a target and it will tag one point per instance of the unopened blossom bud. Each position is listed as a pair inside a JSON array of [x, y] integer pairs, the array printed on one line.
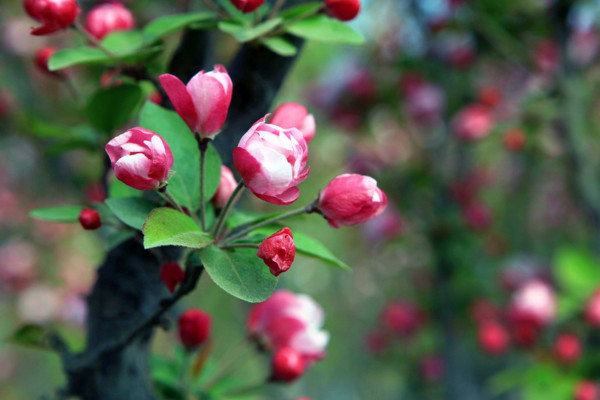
[[493, 337], [402, 318], [107, 18], [171, 274], [194, 328], [351, 199], [592, 310], [294, 115], [140, 158], [474, 122], [567, 348], [272, 162], [344, 10], [278, 251], [41, 60], [489, 95], [204, 102], [227, 185], [587, 390], [535, 300], [247, 6], [54, 15], [89, 219], [514, 139], [287, 365]]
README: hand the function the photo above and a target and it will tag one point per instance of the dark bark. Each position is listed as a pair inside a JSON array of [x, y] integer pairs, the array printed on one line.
[[128, 290]]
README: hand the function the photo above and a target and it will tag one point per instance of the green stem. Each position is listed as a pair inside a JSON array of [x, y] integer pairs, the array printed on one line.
[[312, 207], [203, 146], [169, 197], [276, 8], [92, 39], [281, 29], [227, 209], [216, 9]]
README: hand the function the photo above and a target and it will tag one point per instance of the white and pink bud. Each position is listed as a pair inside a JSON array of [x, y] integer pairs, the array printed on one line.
[[55, 15], [227, 185], [140, 158], [351, 199], [536, 300], [289, 320], [204, 102], [294, 115], [107, 18], [272, 162]]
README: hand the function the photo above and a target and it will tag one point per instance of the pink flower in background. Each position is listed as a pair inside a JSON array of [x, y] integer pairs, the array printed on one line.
[[39, 304], [278, 251], [289, 320], [227, 185], [402, 318], [272, 162], [294, 115], [493, 337], [247, 6], [351, 199], [546, 56], [477, 215], [73, 308], [41, 60], [387, 226], [17, 265], [344, 10], [107, 18], [194, 328], [425, 103], [587, 390], [592, 310], [473, 122], [204, 102], [567, 348], [140, 158], [536, 300], [54, 15]]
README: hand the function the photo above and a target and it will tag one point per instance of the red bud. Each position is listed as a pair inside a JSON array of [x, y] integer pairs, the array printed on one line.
[[194, 328], [171, 274], [89, 219], [288, 365]]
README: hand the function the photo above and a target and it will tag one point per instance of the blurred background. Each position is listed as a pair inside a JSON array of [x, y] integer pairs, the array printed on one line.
[[479, 119]]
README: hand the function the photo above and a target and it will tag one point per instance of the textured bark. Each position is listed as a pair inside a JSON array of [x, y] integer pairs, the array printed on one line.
[[128, 290]]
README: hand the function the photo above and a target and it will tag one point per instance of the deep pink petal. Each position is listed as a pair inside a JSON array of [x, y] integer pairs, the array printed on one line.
[[181, 99]]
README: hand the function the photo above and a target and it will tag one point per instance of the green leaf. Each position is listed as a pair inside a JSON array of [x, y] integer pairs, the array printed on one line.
[[168, 227], [325, 29], [110, 108], [245, 34], [170, 24], [132, 211], [280, 46], [30, 335], [185, 184], [239, 272], [302, 9], [124, 43], [57, 213], [577, 272], [117, 189]]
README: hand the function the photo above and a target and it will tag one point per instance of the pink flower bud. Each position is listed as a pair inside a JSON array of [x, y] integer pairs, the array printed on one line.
[[490, 96], [41, 60], [89, 219], [287, 365], [194, 328], [140, 158], [227, 185], [278, 251], [474, 122], [567, 348], [493, 338], [294, 115], [350, 199], [54, 15], [587, 390], [202, 103], [107, 18], [272, 162], [537, 300], [514, 139], [344, 10], [592, 310], [247, 6], [171, 274]]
